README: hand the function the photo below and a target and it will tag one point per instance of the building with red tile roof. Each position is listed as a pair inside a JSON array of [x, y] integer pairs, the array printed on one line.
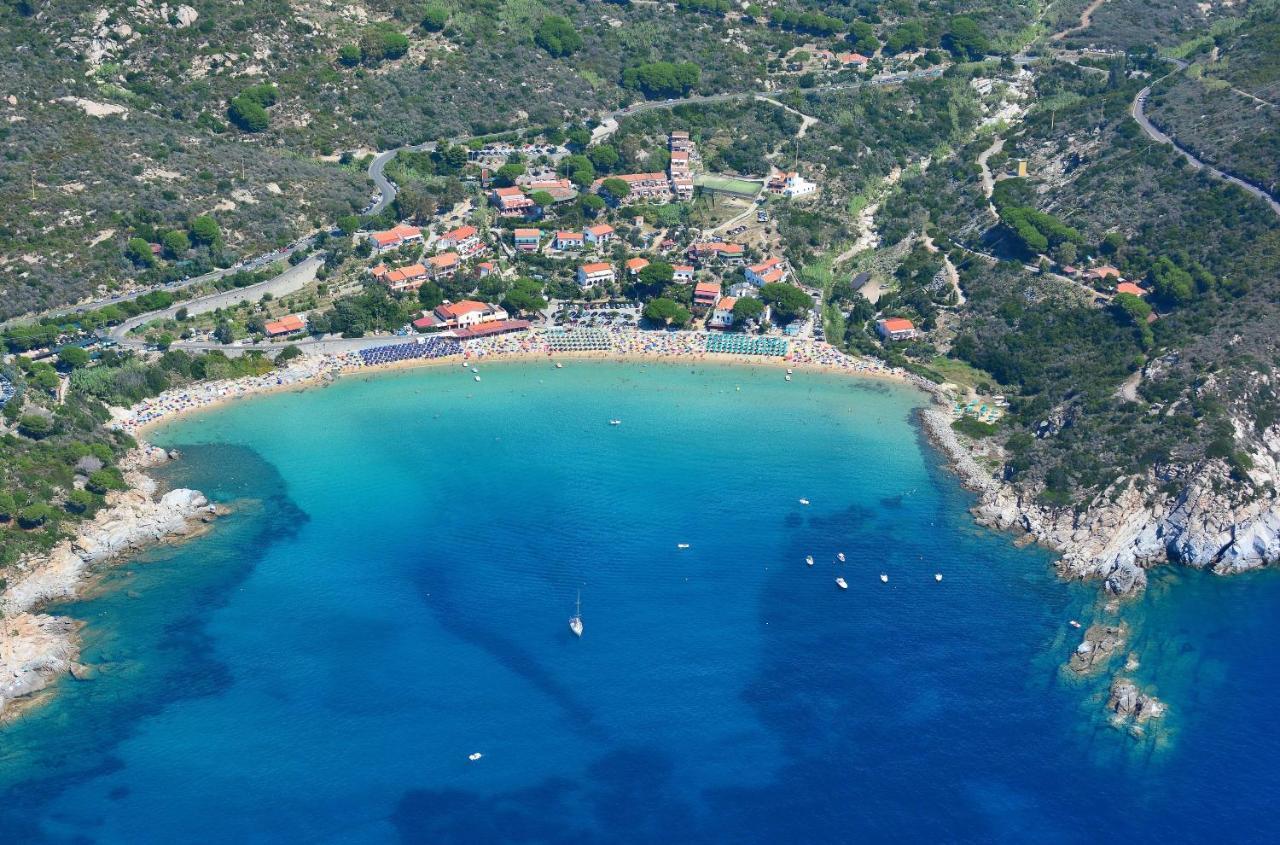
[[635, 265], [1130, 288], [706, 294], [394, 237], [527, 240], [406, 278], [467, 313], [444, 264], [767, 272], [599, 235], [512, 202], [896, 328], [598, 273], [465, 240], [569, 240], [291, 324], [722, 315]]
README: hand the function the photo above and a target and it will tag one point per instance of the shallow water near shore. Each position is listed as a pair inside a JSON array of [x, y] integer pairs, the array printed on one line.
[[393, 589]]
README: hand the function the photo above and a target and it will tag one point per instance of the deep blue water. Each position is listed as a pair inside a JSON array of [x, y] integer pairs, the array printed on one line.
[[393, 589]]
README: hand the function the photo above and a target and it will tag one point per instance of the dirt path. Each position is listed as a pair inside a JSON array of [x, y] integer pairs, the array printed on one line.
[[988, 181], [949, 269], [1086, 20]]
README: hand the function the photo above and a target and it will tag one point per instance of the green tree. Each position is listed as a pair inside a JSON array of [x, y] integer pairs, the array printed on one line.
[[139, 252], [542, 199], [788, 301], [604, 157], [908, 36], [965, 40], [747, 308], [557, 36], [617, 188], [1172, 284], [525, 297], [107, 478], [349, 224], [247, 114], [430, 295], [7, 506], [35, 426], [205, 231], [591, 204], [862, 37], [662, 79], [349, 55], [79, 501], [435, 17], [175, 243], [653, 279], [73, 357], [33, 516], [507, 174], [382, 41], [667, 311]]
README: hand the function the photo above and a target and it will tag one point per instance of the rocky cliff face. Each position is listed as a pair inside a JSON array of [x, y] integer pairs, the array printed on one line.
[[1210, 524], [36, 648]]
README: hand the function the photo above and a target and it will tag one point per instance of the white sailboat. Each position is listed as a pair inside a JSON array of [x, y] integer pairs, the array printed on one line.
[[575, 623]]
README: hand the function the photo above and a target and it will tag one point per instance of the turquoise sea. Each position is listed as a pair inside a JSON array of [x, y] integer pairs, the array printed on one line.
[[393, 589]]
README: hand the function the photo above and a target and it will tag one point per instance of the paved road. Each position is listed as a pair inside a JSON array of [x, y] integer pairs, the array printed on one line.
[[293, 279], [1138, 110]]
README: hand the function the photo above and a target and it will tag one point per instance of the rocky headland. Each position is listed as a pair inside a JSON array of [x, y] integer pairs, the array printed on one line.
[[36, 648], [1209, 524]]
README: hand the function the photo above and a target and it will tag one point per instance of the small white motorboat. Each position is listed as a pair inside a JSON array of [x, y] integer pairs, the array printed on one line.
[[1074, 624], [788, 371], [474, 756], [808, 559], [804, 501], [884, 579], [615, 422], [559, 366], [474, 370], [842, 584], [937, 576], [477, 378], [840, 556], [682, 545], [788, 378]]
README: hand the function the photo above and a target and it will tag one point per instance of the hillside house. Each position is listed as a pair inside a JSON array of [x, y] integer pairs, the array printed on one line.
[[896, 328], [405, 278], [722, 315], [512, 202], [599, 273], [464, 240], [635, 265], [600, 235], [706, 295], [394, 237], [682, 273], [444, 264], [527, 240], [767, 272], [569, 240], [291, 324]]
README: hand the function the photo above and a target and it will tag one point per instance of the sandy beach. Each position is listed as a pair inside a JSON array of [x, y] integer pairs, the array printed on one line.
[[536, 345]]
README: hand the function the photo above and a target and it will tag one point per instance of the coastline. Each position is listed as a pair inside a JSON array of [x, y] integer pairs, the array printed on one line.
[[527, 347], [37, 648]]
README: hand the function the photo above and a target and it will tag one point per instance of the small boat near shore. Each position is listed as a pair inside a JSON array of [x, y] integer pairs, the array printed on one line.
[[808, 559], [559, 366], [1074, 624], [842, 584]]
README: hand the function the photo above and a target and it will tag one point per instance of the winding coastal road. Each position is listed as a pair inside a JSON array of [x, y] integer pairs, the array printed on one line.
[[1138, 111]]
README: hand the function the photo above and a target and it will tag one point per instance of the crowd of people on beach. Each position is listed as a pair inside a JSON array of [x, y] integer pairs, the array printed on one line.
[[616, 342]]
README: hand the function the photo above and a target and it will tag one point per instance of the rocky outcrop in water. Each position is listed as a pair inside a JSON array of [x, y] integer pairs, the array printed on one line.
[[35, 648], [1099, 644], [1130, 706]]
